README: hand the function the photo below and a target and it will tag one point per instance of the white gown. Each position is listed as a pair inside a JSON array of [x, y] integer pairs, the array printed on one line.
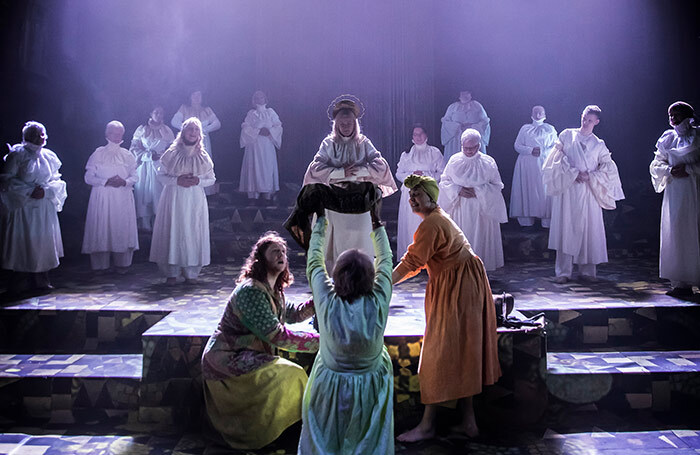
[[479, 218], [110, 224], [472, 113], [145, 143], [527, 197], [679, 257], [429, 160], [30, 235], [577, 218], [259, 172], [348, 230], [181, 229]]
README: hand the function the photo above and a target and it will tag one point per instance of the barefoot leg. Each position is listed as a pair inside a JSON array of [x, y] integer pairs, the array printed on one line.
[[425, 429], [468, 425]]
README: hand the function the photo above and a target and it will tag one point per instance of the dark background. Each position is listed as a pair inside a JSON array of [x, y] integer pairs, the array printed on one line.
[[77, 64]]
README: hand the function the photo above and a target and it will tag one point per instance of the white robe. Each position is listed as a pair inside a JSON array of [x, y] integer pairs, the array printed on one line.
[[471, 113], [429, 160], [479, 218], [679, 257], [577, 218], [110, 224], [144, 144], [527, 196], [30, 235], [347, 230], [181, 229], [259, 172], [210, 122]]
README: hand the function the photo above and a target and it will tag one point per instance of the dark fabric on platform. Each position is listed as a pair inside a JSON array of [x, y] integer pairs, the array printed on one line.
[[346, 197]]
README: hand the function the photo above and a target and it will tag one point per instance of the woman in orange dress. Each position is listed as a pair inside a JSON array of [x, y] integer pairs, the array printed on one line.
[[459, 354]]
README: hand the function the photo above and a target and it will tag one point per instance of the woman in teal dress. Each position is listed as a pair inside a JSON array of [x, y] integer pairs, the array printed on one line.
[[348, 401]]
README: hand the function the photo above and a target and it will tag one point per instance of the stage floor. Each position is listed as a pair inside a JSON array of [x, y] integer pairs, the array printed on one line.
[[622, 283], [625, 285]]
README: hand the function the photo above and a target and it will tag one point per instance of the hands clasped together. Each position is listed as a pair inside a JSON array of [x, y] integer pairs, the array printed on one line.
[[187, 180]]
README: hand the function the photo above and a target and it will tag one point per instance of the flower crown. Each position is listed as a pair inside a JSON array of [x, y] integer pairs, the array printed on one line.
[[346, 101]]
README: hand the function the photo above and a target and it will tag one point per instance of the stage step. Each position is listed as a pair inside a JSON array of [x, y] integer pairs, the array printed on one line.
[[601, 320], [51, 327], [63, 388], [632, 380]]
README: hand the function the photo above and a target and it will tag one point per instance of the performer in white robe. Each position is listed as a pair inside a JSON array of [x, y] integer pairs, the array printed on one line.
[[527, 197], [675, 170], [471, 193], [180, 244], [582, 179], [205, 114], [422, 159], [346, 155], [110, 224], [31, 194], [148, 144], [261, 136], [460, 115], [210, 123]]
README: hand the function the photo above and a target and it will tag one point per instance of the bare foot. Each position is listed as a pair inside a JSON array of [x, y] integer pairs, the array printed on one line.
[[470, 431], [191, 281], [171, 281], [416, 434]]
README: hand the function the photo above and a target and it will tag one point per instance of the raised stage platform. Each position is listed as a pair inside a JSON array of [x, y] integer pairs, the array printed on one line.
[[119, 354]]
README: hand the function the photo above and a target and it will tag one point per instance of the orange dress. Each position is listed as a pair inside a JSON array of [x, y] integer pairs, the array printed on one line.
[[460, 352]]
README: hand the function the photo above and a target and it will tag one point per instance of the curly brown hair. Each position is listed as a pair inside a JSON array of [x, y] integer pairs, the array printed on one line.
[[255, 266]]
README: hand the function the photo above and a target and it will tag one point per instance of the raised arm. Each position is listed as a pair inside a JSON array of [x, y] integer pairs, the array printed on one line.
[[382, 263], [316, 274]]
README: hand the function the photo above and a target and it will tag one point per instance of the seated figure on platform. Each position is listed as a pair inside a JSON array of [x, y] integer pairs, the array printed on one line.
[[470, 192], [31, 194], [461, 115], [110, 224], [148, 144], [251, 394], [261, 136], [527, 197], [348, 402], [180, 244], [460, 352], [675, 170], [422, 159], [346, 155], [582, 179]]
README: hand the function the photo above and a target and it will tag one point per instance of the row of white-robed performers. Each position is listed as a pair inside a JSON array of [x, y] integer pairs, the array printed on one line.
[[565, 181], [346, 405]]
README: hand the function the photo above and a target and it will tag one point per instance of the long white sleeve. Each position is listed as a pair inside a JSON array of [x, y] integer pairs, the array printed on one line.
[[178, 119], [520, 146]]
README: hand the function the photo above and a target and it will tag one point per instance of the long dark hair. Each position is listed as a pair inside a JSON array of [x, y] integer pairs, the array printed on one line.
[[255, 266]]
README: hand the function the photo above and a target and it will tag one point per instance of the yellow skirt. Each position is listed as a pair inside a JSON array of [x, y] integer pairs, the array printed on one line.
[[252, 410]]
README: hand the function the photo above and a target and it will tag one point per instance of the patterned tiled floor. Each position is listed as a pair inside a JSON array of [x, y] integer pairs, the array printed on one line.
[[623, 362], [196, 310], [677, 441], [623, 283], [76, 365]]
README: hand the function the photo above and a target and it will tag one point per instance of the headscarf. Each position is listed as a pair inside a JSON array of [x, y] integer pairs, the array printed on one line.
[[428, 184]]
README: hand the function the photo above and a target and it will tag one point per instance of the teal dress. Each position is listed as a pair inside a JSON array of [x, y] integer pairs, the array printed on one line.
[[348, 401]]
